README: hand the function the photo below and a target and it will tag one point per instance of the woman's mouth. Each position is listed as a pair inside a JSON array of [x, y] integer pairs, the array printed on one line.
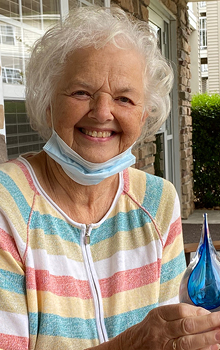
[[97, 134]]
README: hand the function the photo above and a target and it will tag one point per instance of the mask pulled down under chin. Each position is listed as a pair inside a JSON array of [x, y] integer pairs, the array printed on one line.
[[82, 171]]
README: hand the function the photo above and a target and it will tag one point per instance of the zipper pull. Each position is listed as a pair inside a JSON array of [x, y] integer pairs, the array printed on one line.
[[87, 236]]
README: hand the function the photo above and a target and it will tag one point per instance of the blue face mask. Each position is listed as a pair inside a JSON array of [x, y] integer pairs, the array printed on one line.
[[79, 169]]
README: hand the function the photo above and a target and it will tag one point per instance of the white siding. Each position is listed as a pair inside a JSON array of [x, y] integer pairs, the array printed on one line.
[[213, 45]]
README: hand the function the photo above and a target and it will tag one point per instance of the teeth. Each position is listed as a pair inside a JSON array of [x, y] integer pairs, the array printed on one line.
[[98, 134]]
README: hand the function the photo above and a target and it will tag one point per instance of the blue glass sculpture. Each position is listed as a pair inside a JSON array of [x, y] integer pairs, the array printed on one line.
[[200, 284]]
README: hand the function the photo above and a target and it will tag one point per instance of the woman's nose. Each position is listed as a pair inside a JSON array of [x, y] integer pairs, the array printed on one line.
[[101, 108]]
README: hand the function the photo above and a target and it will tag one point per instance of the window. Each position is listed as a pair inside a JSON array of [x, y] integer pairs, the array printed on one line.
[[11, 76], [40, 14], [204, 68], [7, 35], [72, 3], [20, 137], [10, 8], [204, 65], [204, 85], [203, 33], [86, 2], [202, 4]]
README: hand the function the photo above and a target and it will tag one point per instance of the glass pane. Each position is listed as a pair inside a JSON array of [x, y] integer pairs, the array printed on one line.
[[29, 38], [169, 124], [10, 129], [11, 140], [31, 13], [10, 8], [73, 3], [159, 165], [10, 106], [20, 137], [29, 138], [166, 40], [170, 159], [22, 118], [15, 41], [99, 2], [158, 33], [23, 128], [7, 33], [11, 119], [15, 46], [51, 13], [12, 152], [12, 58]]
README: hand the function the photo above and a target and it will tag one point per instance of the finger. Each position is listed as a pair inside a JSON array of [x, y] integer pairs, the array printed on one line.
[[197, 341], [179, 311], [214, 347], [193, 325]]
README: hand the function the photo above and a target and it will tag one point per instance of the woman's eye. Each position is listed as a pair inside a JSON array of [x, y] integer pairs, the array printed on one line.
[[80, 93], [124, 99]]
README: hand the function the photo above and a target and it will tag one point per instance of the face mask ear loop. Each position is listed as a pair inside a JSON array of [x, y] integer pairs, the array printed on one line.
[[51, 115]]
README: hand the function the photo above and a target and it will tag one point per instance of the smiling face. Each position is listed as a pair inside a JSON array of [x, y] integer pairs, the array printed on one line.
[[99, 102]]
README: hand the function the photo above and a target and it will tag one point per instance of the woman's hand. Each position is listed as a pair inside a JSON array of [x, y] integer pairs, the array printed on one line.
[[170, 327], [174, 327]]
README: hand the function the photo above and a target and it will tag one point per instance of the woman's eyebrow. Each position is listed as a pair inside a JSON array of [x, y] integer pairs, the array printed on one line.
[[127, 89], [86, 85], [78, 82]]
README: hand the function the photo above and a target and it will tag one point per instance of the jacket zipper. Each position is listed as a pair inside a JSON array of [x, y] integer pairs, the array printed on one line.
[[87, 235], [95, 288]]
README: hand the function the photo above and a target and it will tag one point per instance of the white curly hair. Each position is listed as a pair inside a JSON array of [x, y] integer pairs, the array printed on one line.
[[94, 26]]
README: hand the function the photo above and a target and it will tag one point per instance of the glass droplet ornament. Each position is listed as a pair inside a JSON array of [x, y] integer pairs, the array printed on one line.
[[200, 284]]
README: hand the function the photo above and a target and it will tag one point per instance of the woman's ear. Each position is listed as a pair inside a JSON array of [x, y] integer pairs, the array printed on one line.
[[49, 116]]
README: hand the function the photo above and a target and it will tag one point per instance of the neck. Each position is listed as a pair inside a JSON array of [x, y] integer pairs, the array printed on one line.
[[85, 195], [88, 203]]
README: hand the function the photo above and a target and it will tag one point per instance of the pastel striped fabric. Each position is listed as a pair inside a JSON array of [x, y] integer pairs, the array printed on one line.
[[57, 291]]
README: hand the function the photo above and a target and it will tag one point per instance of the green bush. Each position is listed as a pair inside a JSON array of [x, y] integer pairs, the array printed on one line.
[[206, 149]]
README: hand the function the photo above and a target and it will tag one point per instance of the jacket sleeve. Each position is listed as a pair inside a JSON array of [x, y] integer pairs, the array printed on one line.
[[14, 328], [173, 262]]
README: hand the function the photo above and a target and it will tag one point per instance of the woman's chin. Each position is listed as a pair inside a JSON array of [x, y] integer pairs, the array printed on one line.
[[96, 159]]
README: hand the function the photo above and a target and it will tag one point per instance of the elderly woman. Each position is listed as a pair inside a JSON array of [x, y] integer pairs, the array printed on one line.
[[91, 249]]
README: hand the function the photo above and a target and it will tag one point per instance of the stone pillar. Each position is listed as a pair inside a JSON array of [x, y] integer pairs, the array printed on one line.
[[180, 10], [185, 109], [146, 151]]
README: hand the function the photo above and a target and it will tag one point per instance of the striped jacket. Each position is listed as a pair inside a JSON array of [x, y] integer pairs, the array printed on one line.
[[66, 285]]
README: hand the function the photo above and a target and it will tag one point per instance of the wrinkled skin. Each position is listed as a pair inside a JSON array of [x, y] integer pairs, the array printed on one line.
[[192, 327]]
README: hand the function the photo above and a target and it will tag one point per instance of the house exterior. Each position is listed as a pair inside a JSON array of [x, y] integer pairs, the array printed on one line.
[[205, 40], [209, 18], [213, 46], [169, 152]]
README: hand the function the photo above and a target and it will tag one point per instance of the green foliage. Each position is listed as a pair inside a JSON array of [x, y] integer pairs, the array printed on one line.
[[206, 149]]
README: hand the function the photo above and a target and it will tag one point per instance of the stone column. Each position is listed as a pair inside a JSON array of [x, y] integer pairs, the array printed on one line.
[[146, 151], [183, 50]]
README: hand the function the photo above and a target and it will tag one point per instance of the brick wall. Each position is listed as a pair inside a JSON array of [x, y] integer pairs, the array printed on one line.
[[144, 154], [146, 151]]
